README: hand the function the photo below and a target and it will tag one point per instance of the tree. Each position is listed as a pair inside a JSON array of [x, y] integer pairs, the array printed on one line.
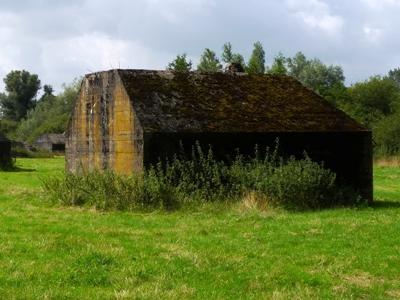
[[279, 65], [229, 57], [386, 134], [372, 100], [21, 88], [328, 81], [50, 115], [256, 63], [8, 127], [47, 94], [227, 54], [180, 64], [395, 76], [297, 64], [48, 90], [209, 62]]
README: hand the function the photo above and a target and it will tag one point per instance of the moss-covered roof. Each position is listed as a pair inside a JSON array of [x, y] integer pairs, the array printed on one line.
[[53, 138], [229, 102]]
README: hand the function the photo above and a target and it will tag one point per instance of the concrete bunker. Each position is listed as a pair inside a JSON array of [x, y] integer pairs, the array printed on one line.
[[127, 119], [52, 142]]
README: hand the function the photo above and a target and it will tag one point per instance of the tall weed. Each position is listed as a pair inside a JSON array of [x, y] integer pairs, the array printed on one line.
[[199, 177]]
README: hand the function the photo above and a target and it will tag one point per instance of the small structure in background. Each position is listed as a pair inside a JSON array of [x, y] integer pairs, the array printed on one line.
[[52, 142], [125, 120], [5, 152], [234, 68]]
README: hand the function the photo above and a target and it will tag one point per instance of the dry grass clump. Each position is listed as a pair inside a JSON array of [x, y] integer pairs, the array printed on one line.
[[391, 161], [253, 200]]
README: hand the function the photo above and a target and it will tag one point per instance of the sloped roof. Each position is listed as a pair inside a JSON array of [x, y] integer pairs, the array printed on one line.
[[53, 138], [224, 102]]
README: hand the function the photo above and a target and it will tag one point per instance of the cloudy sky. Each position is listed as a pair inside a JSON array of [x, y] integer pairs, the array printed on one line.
[[63, 39]]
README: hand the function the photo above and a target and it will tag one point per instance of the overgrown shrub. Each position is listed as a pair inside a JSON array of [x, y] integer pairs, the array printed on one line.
[[198, 175], [288, 183], [299, 184], [291, 184], [109, 191]]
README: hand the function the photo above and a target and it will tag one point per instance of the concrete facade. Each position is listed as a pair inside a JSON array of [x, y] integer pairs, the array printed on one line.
[[52, 142]]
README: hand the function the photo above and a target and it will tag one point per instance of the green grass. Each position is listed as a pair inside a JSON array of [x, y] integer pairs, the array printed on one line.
[[214, 252]]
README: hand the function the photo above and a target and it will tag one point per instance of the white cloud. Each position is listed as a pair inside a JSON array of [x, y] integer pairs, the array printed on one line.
[[10, 52], [63, 39], [380, 4], [94, 52], [176, 11], [372, 34], [316, 14]]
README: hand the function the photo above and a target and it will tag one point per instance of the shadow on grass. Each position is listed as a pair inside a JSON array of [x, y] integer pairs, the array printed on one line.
[[17, 170], [385, 204]]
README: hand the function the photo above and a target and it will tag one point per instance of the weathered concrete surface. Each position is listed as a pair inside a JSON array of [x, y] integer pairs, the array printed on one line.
[[104, 132], [52, 142]]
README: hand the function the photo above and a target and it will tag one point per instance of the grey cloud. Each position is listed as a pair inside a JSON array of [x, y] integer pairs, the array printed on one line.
[[62, 39]]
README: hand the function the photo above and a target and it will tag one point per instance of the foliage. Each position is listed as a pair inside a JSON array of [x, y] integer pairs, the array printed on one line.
[[47, 90], [279, 65], [227, 53], [21, 88], [291, 184], [107, 191], [50, 115], [301, 184], [229, 57], [256, 64], [7, 127], [395, 76], [209, 62], [297, 64], [386, 134], [373, 99], [180, 64], [328, 81], [198, 176]]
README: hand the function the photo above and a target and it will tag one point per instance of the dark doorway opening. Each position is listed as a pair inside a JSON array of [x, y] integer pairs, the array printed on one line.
[[58, 147]]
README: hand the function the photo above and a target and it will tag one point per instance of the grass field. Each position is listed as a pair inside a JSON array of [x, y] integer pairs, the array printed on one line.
[[215, 252]]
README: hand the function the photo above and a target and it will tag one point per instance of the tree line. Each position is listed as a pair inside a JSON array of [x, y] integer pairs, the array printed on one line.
[[375, 102], [24, 116]]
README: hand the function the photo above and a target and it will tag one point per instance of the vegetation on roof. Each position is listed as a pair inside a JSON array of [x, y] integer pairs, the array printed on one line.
[[225, 102]]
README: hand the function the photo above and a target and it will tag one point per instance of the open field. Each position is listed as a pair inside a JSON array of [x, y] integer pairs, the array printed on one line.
[[219, 252]]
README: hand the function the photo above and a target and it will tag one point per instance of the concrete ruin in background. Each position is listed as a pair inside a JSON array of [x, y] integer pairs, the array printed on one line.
[[52, 142], [127, 119]]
